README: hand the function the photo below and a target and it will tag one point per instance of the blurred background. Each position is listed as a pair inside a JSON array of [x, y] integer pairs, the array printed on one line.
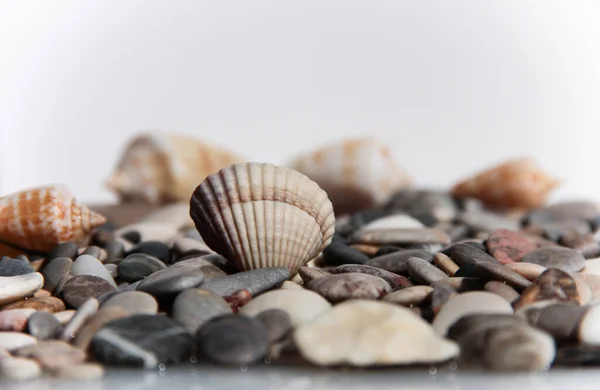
[[451, 86]]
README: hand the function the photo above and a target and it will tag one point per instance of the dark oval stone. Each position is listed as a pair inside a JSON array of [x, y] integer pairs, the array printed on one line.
[[387, 249], [255, 281], [448, 251], [463, 254], [153, 248], [233, 340], [142, 340], [337, 254], [424, 272], [137, 266], [80, 288], [67, 249], [14, 267], [167, 283], [92, 251], [276, 322], [194, 307], [115, 252], [55, 273], [132, 236], [43, 325], [466, 271], [396, 261], [564, 259]]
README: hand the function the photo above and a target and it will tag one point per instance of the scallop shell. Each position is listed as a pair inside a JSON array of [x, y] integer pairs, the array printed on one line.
[[519, 184], [164, 167], [38, 219], [262, 215], [356, 173]]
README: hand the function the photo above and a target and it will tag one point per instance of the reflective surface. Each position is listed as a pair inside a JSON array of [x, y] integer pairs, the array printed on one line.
[[287, 378]]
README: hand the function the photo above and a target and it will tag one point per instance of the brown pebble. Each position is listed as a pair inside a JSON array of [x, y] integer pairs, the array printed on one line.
[[41, 294], [238, 299], [52, 354], [64, 316], [502, 274], [82, 371], [553, 285], [445, 263], [14, 320], [49, 304], [368, 250], [410, 296], [507, 246], [502, 289], [94, 323]]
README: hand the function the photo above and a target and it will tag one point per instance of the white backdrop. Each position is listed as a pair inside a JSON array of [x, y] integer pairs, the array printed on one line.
[[452, 86]]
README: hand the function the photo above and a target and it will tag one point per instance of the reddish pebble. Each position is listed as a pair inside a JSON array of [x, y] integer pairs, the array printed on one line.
[[508, 247], [14, 320], [238, 299]]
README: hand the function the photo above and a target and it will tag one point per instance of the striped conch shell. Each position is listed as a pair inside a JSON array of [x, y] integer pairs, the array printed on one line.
[[159, 167], [356, 173], [262, 215], [518, 184], [38, 219]]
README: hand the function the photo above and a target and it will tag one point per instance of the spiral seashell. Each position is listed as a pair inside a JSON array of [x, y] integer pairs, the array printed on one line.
[[356, 173], [38, 219], [262, 215], [159, 167], [518, 184]]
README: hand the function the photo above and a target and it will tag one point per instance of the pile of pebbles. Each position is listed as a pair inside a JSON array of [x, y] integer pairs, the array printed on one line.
[[425, 278]]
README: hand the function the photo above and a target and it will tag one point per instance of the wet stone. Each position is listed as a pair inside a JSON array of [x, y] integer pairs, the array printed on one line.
[[337, 254], [43, 325], [502, 289], [396, 262], [424, 272], [67, 249], [49, 304], [157, 340], [507, 246], [501, 273], [135, 302], [233, 340], [564, 259], [137, 266], [155, 249], [394, 280], [14, 320], [55, 272], [463, 254], [194, 307], [401, 237], [167, 283], [337, 288], [80, 288], [410, 296], [255, 281], [277, 324], [14, 267], [89, 265]]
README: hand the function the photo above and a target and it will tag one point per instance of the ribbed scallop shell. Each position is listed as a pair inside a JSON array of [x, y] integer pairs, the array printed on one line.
[[262, 215], [356, 173], [161, 167], [38, 219], [519, 184]]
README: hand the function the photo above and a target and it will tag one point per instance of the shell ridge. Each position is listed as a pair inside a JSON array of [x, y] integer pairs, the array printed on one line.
[[285, 243], [240, 250], [248, 246], [215, 212], [254, 212]]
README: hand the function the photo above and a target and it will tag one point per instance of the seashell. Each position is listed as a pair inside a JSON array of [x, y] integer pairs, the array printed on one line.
[[517, 184], [356, 173], [38, 219], [263, 215], [157, 167]]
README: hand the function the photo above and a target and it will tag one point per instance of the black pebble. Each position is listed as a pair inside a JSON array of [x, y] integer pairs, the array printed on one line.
[[67, 249], [153, 248], [474, 244], [338, 254], [92, 251], [115, 252], [384, 250], [467, 271], [14, 267], [132, 236], [463, 253], [233, 339]]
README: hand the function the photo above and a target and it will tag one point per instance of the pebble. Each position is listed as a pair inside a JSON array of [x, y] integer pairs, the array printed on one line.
[[276, 322], [369, 250], [586, 244], [303, 306], [561, 320], [423, 271], [311, 273], [592, 266], [289, 285], [112, 270], [462, 284], [14, 320], [194, 307], [474, 302], [502, 289], [83, 338], [184, 246], [585, 292], [137, 266], [89, 265], [502, 274], [507, 246], [93, 251], [337, 288], [167, 283], [155, 249], [553, 231], [501, 343], [483, 221], [371, 333], [134, 302], [394, 280], [396, 221], [593, 282], [564, 259], [82, 371], [80, 288], [255, 281], [396, 261], [410, 296], [52, 354], [56, 274], [14, 340], [577, 355], [67, 249], [553, 285], [19, 369], [401, 236], [142, 340], [20, 286], [14, 267], [49, 304], [463, 254], [529, 271], [43, 325], [427, 206], [233, 340], [338, 253], [564, 211], [84, 312], [64, 316], [445, 263], [588, 326]]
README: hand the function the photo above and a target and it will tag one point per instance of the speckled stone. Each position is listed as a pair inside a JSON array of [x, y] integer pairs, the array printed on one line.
[[394, 280], [396, 261], [80, 288], [255, 281], [564, 259], [507, 246], [337, 288], [194, 307], [14, 267], [167, 283], [137, 266]]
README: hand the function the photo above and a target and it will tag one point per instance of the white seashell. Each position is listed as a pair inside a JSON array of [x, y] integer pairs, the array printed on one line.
[[356, 173], [162, 167], [262, 215]]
